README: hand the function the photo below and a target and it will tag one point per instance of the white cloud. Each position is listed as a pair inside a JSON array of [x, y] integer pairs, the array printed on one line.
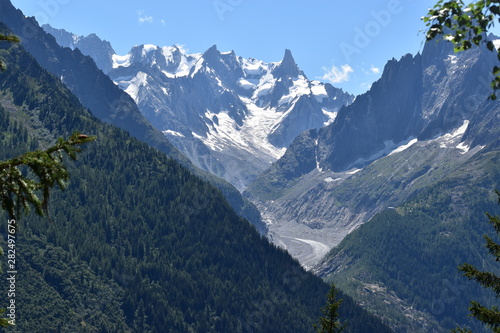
[[337, 75], [366, 86], [182, 48], [143, 18], [375, 70]]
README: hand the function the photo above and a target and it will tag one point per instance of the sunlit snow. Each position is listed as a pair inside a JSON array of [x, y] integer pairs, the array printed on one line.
[[148, 48], [331, 180], [251, 137], [318, 167], [463, 147], [453, 59], [121, 61], [252, 67], [389, 149], [187, 61], [318, 90], [173, 133], [403, 147], [135, 84], [331, 115], [245, 84], [449, 140], [264, 89]]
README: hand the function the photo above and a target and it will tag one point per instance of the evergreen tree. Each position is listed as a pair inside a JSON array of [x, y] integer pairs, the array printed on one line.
[[330, 322], [489, 316]]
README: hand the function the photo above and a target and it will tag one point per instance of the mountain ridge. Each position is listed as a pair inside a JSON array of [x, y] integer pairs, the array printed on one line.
[[87, 45], [242, 113], [418, 122]]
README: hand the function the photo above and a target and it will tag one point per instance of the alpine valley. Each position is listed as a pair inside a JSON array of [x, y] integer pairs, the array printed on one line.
[[137, 242], [384, 193], [424, 137], [398, 185]]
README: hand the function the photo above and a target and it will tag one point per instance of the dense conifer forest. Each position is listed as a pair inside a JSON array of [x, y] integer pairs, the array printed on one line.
[[415, 249]]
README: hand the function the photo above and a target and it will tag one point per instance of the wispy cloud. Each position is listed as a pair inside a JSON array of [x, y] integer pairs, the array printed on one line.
[[337, 75], [366, 86], [375, 70], [143, 18]]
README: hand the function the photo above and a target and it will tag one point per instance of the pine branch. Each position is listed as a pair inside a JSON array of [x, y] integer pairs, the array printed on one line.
[[10, 38], [18, 191], [490, 317], [486, 279]]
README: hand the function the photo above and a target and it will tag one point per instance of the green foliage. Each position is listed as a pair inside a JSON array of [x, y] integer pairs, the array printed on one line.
[[330, 322], [4, 322], [488, 315], [8, 38], [19, 191], [465, 26]]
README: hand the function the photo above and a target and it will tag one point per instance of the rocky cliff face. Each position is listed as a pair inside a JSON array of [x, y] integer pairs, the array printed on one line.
[[388, 112], [417, 97], [99, 50]]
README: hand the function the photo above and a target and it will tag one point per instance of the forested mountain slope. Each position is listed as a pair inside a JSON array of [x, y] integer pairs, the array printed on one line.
[[402, 264], [138, 243]]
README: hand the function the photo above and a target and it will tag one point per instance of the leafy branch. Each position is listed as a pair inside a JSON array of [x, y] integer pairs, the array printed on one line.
[[18, 191], [465, 26]]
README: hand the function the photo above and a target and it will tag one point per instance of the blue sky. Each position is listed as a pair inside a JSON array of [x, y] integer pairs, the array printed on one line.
[[343, 42]]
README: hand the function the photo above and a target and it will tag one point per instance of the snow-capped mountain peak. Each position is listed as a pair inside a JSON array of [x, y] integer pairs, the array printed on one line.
[[172, 61], [287, 67], [230, 115]]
